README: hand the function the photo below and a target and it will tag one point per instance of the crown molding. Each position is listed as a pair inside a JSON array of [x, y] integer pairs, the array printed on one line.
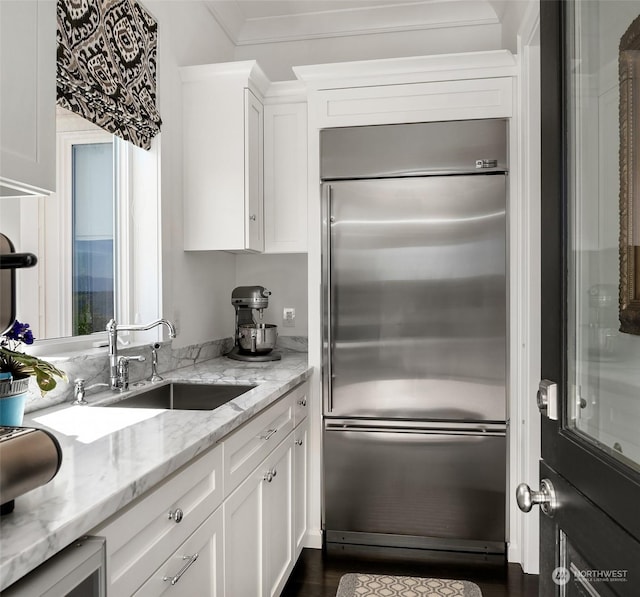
[[393, 17], [244, 70], [413, 69]]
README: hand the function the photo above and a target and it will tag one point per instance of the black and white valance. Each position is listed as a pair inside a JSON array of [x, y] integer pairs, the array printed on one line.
[[107, 66]]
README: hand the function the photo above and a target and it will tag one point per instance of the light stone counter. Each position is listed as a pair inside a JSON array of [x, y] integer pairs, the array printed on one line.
[[113, 455]]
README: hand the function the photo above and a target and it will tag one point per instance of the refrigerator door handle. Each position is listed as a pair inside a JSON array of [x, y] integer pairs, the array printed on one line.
[[420, 431], [327, 297], [489, 430]]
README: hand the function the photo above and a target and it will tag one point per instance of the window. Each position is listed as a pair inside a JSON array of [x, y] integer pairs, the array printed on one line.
[[96, 239], [92, 237], [83, 232]]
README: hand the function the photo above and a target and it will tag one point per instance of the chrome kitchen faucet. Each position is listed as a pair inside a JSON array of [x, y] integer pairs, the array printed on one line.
[[119, 366]]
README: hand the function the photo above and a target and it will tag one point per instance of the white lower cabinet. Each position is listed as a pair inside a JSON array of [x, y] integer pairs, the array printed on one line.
[[148, 531], [258, 520], [243, 512], [195, 569], [230, 523], [277, 528], [300, 485]]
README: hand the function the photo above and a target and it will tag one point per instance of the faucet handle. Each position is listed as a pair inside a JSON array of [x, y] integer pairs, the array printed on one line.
[[78, 393], [125, 360], [123, 370]]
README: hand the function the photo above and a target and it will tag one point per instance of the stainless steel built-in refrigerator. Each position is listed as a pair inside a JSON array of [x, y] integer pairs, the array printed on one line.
[[415, 319]]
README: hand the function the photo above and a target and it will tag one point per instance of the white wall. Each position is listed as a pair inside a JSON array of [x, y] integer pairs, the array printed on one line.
[[286, 277], [196, 286], [276, 59]]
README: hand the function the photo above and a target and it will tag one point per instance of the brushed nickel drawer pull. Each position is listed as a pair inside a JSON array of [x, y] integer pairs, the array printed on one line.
[[302, 402], [268, 434], [177, 577], [176, 515], [298, 442]]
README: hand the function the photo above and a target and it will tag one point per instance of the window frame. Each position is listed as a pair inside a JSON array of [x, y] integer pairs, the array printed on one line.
[[60, 252], [138, 293]]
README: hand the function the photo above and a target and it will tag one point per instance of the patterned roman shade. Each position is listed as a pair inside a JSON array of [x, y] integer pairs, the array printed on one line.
[[107, 66]]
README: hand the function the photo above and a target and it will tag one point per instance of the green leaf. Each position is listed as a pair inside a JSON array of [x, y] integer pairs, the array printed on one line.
[[30, 365]]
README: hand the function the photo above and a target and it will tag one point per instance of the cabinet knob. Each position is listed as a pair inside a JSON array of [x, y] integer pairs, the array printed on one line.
[[302, 402], [253, 217], [298, 442], [176, 515], [270, 475]]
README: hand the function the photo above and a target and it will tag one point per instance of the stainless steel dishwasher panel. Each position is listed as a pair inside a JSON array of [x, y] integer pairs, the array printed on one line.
[[412, 486]]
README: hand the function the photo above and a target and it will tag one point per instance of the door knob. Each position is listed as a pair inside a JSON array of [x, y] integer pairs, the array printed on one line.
[[546, 497]]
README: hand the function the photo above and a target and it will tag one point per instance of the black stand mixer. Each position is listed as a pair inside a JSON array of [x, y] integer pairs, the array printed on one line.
[[253, 341]]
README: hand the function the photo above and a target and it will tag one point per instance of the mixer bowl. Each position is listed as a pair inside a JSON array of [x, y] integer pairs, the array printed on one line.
[[257, 338]]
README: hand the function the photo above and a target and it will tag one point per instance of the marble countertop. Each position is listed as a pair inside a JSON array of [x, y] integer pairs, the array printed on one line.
[[113, 455]]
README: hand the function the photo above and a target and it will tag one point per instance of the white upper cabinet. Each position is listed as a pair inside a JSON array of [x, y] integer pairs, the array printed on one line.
[[223, 156], [285, 172], [27, 97], [254, 172], [411, 89]]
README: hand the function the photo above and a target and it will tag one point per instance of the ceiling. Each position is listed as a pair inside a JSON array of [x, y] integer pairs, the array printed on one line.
[[266, 21]]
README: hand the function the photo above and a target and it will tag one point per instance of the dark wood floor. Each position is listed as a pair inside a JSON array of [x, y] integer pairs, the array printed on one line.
[[317, 573]]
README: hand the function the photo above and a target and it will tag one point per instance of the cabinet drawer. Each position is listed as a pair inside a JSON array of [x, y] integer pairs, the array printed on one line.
[[195, 568], [301, 403], [143, 535], [251, 443]]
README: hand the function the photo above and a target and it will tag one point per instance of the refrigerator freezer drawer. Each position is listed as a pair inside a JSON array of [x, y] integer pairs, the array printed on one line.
[[424, 487]]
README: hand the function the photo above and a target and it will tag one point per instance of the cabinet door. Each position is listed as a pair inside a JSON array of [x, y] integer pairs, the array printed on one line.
[[285, 178], [27, 97], [278, 519], [222, 158], [243, 511], [142, 535], [300, 485], [254, 189], [195, 569], [258, 519]]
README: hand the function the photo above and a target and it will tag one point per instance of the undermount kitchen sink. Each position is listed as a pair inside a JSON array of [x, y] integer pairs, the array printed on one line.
[[185, 396]]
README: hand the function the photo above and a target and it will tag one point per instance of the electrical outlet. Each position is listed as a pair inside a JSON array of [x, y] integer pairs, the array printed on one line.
[[289, 317]]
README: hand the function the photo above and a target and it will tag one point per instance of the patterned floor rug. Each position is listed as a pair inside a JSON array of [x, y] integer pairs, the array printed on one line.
[[380, 585]]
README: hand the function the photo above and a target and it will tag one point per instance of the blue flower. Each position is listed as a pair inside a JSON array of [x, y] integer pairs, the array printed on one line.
[[20, 332], [27, 337]]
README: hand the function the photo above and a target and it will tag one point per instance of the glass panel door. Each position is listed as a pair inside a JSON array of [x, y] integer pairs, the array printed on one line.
[[603, 377]]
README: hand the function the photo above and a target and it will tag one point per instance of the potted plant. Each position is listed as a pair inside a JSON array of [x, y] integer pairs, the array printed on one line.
[[16, 368]]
